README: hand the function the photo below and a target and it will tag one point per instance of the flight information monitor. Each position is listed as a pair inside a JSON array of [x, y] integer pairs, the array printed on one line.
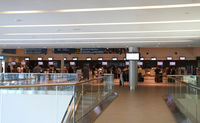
[[133, 56], [88, 59], [169, 58], [100, 58], [182, 58], [39, 58]]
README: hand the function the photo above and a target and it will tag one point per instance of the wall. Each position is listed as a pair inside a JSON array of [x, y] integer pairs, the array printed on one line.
[[162, 53], [25, 108]]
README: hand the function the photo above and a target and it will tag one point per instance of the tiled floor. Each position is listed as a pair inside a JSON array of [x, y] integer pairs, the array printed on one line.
[[145, 105]]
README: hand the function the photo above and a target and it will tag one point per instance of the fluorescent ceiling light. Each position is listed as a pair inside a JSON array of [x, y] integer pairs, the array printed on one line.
[[121, 42], [119, 32], [107, 38], [101, 24], [103, 9]]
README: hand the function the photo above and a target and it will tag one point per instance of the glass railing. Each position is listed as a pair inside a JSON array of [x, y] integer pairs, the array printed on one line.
[[184, 93], [88, 95], [52, 101], [35, 78]]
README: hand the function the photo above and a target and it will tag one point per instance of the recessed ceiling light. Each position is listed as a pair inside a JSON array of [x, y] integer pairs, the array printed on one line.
[[103, 9], [101, 24]]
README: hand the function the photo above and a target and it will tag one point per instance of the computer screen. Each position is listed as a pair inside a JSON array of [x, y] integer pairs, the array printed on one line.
[[72, 63], [40, 63], [140, 63], [13, 63], [172, 63], [160, 63], [23, 63], [127, 63], [51, 63], [104, 63], [133, 56]]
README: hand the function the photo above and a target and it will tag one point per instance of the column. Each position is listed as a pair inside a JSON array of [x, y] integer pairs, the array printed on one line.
[[133, 70]]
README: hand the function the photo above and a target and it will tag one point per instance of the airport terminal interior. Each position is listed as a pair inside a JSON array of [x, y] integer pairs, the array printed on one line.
[[99, 61]]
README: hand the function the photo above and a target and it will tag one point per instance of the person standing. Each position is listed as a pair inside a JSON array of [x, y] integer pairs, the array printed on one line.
[[37, 69], [86, 71]]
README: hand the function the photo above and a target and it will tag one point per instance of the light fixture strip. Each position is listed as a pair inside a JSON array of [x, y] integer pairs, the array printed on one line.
[[106, 38], [103, 9], [101, 24], [119, 32]]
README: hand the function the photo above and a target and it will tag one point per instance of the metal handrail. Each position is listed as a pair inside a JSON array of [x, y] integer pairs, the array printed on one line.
[[188, 84], [49, 84], [67, 109]]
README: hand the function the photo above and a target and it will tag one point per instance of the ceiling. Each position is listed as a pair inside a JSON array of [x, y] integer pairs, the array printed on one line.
[[99, 23]]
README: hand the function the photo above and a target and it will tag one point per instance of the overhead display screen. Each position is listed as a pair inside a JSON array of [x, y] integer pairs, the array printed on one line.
[[88, 58], [50, 58], [74, 58], [141, 58], [114, 59], [169, 58], [100, 58], [39, 58], [27, 58], [133, 56], [153, 58], [182, 58]]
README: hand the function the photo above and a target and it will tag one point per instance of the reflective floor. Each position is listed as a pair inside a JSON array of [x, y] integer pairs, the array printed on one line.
[[145, 105]]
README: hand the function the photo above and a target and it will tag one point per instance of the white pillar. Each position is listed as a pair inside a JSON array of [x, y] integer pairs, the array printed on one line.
[[133, 70]]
